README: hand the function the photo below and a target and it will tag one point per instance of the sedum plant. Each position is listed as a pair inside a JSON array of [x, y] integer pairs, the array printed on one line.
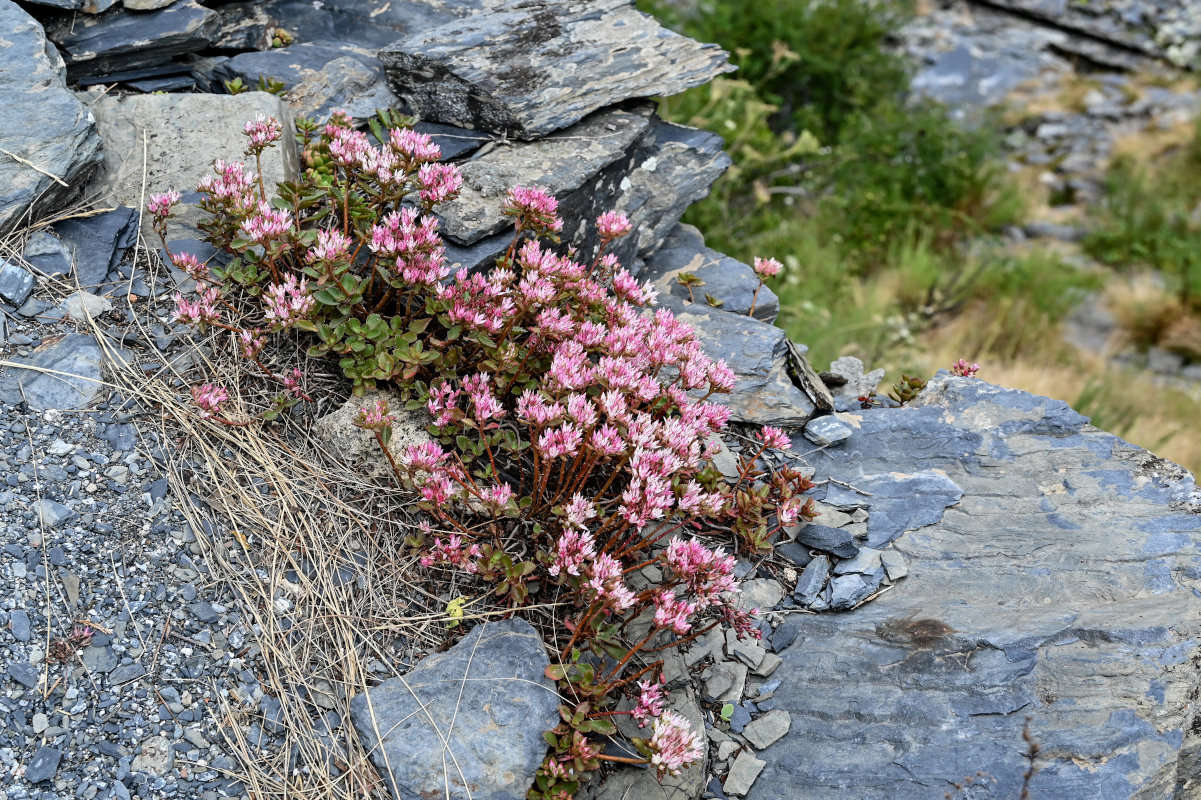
[[573, 424]]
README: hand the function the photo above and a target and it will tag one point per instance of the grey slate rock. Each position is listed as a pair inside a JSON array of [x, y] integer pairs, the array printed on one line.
[[542, 66], [827, 431], [371, 24], [836, 541], [120, 40], [852, 380], [53, 514], [726, 278], [320, 76], [86, 6], [758, 353], [23, 673], [75, 360], [1069, 597], [185, 133], [487, 695], [812, 579], [558, 164], [18, 621], [101, 660], [43, 765], [46, 253], [126, 673], [847, 591], [16, 282], [98, 243], [43, 123]]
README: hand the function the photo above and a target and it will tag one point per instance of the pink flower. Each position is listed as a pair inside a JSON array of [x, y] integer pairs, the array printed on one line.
[[191, 265], [708, 574], [413, 146], [965, 370], [561, 441], [671, 612], [673, 744], [375, 416], [159, 205], [767, 267], [262, 132], [612, 225], [287, 302], [443, 403], [497, 496], [572, 552], [348, 146], [233, 186], [650, 701], [203, 310], [331, 246], [294, 383], [605, 579], [534, 209], [774, 438], [209, 398], [269, 223], [251, 341], [453, 552], [439, 182], [426, 457]]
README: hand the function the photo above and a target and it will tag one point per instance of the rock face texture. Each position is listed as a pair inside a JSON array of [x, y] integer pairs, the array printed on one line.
[[1061, 587], [532, 70], [466, 723], [181, 135], [46, 132]]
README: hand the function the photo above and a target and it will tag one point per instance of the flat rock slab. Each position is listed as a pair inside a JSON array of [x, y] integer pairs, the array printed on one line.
[[122, 40], [758, 354], [367, 23], [486, 698], [184, 135], [320, 76], [559, 164], [1062, 587], [96, 244], [544, 65], [63, 374], [726, 279], [43, 124]]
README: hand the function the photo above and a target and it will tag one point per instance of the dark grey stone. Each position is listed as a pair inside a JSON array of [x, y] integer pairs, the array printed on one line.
[[54, 514], [559, 164], [454, 142], [16, 282], [726, 279], [126, 673], [795, 552], [371, 24], [98, 243], [836, 541], [23, 673], [43, 123], [812, 579], [321, 77], [75, 361], [827, 431], [46, 253], [101, 660], [18, 621], [43, 765], [243, 26], [1062, 586], [121, 40], [542, 66], [488, 696], [204, 612], [759, 354], [86, 6], [847, 591]]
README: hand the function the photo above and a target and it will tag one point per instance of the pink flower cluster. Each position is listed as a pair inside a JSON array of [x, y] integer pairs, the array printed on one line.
[[415, 244], [199, 311], [285, 303], [209, 399], [231, 189], [767, 267], [268, 224], [964, 369], [160, 205], [673, 745], [263, 131], [535, 210]]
